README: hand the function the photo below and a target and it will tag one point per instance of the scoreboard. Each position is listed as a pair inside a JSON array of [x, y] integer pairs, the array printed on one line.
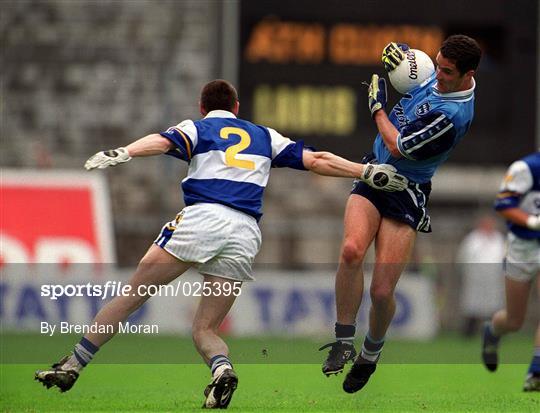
[[303, 64]]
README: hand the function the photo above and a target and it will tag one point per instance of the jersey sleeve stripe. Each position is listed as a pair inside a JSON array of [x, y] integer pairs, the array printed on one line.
[[426, 141], [425, 129], [186, 140], [507, 194], [402, 150]]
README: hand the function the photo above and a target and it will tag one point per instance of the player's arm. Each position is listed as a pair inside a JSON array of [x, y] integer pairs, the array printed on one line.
[[150, 145], [517, 181], [521, 218], [287, 153], [153, 144], [377, 102], [378, 176], [388, 132]]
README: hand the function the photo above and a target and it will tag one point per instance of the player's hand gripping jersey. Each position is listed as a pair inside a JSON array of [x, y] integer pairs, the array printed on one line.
[[521, 189], [230, 159], [430, 124]]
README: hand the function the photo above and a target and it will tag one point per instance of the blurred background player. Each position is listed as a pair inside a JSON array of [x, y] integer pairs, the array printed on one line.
[[416, 138], [479, 257], [229, 164], [519, 203]]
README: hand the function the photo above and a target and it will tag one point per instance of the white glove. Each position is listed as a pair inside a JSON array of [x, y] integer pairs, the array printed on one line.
[[103, 159], [384, 177], [533, 222]]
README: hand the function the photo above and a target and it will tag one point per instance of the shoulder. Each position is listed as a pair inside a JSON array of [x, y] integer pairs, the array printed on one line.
[[532, 161], [519, 178]]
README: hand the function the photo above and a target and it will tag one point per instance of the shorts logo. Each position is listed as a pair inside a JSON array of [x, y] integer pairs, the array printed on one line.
[[409, 218], [422, 109]]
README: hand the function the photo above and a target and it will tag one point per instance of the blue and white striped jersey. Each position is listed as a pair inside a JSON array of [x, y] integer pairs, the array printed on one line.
[[430, 125], [230, 159], [520, 188]]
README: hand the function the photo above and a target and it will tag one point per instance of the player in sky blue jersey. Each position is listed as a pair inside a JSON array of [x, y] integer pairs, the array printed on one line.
[[518, 202], [417, 136], [217, 232]]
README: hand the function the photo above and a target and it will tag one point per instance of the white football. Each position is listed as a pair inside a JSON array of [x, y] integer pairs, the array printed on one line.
[[413, 70]]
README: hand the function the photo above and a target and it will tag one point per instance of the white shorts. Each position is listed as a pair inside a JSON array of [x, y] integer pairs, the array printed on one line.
[[522, 261], [220, 240]]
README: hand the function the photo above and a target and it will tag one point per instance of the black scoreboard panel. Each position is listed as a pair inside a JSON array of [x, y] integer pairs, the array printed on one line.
[[303, 62]]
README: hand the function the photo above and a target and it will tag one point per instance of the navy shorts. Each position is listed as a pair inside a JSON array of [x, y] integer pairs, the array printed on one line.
[[408, 206]]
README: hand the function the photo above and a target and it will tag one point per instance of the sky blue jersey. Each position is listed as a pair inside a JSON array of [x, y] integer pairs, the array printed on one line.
[[230, 159], [430, 125], [520, 188]]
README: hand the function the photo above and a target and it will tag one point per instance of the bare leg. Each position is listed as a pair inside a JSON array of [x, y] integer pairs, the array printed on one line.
[[393, 245], [157, 267], [512, 317], [361, 224], [210, 314]]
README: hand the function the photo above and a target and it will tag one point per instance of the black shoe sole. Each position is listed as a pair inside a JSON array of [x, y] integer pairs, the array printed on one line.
[[228, 382], [51, 380], [333, 372]]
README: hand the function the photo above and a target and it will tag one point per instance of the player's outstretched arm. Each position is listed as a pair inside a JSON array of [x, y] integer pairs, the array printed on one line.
[[153, 144], [520, 217], [382, 177]]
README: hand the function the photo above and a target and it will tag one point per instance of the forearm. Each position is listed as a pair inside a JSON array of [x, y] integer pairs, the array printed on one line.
[[388, 132], [328, 164], [153, 144], [515, 215]]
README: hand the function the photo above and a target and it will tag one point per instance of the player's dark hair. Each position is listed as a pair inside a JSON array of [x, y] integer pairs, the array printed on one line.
[[463, 50], [218, 95]]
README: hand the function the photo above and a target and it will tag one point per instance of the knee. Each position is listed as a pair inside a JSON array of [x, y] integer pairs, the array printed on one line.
[[352, 253], [381, 296]]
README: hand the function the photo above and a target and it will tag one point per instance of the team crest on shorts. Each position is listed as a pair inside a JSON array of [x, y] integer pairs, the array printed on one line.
[[422, 109]]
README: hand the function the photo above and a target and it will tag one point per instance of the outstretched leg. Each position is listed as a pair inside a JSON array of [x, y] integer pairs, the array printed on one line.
[[157, 267]]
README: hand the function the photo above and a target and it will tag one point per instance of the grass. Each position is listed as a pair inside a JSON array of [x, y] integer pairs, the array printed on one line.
[[413, 377]]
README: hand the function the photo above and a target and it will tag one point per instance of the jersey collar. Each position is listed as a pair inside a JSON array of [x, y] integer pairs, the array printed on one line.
[[220, 114], [464, 94]]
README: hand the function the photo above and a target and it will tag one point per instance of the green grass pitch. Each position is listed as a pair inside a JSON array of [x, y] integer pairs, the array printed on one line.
[[164, 374]]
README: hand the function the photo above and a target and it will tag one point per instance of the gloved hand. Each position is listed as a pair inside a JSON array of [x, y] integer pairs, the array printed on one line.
[[103, 159], [384, 177], [393, 54], [376, 94], [533, 222]]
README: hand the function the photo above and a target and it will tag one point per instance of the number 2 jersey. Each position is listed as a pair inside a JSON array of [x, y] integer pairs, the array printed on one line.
[[430, 125], [520, 188], [230, 159]]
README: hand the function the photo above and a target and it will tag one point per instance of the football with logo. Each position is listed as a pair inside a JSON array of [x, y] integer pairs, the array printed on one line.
[[412, 71]]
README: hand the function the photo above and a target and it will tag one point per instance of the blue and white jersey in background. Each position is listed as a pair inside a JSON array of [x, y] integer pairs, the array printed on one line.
[[520, 188], [430, 124], [230, 159]]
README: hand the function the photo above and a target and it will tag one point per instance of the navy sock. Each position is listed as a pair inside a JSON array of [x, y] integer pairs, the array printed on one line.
[[345, 332], [218, 361], [84, 351], [371, 349]]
